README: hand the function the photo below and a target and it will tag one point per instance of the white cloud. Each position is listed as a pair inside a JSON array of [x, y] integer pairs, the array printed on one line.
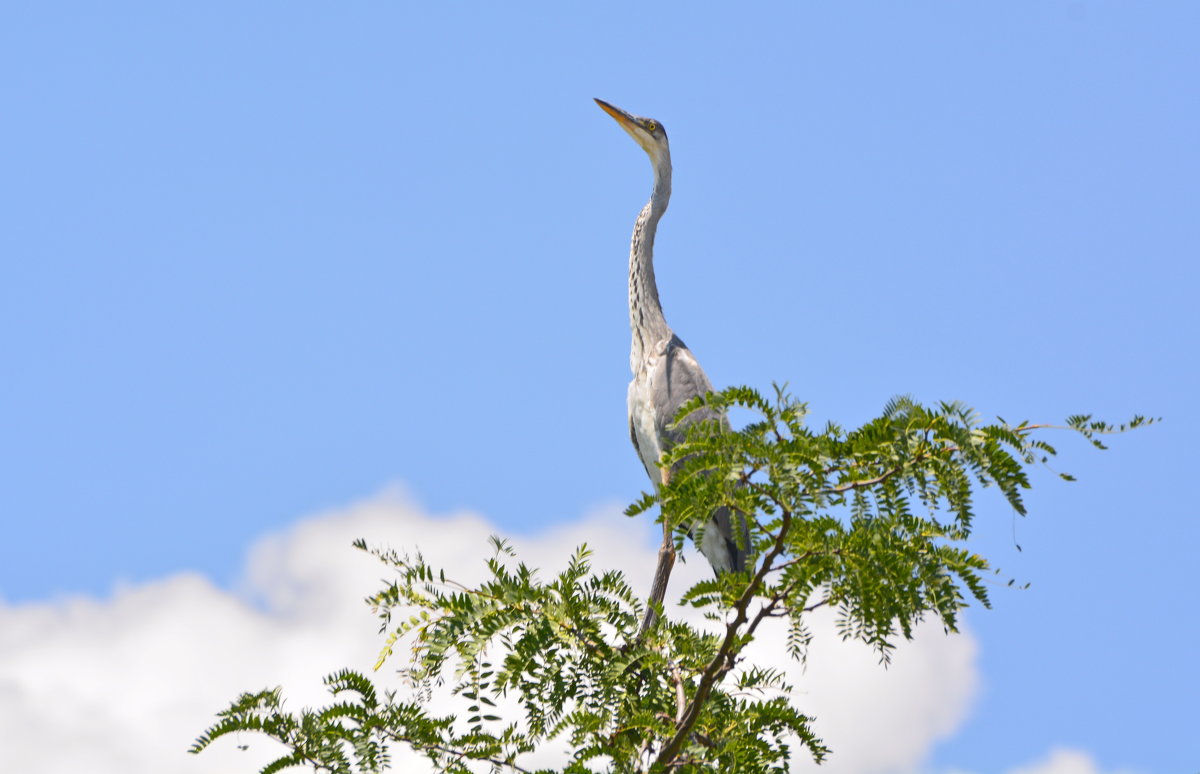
[[878, 720], [1062, 760], [124, 684]]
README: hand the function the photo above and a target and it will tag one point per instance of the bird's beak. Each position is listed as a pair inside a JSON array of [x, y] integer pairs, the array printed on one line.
[[633, 127], [627, 122]]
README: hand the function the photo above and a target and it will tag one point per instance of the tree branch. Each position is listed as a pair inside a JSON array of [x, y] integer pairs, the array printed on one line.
[[915, 459], [662, 572], [713, 671]]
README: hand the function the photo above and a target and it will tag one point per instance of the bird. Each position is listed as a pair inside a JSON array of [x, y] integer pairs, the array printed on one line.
[[665, 372]]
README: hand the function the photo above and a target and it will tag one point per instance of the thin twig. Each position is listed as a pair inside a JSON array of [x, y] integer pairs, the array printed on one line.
[[680, 698], [460, 754]]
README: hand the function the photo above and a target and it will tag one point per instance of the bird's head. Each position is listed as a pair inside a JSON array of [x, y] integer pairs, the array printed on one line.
[[646, 131]]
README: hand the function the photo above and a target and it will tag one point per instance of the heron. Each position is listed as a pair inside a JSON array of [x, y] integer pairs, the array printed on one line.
[[665, 372]]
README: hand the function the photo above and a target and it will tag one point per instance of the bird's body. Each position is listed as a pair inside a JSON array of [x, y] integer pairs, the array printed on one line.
[[669, 376], [665, 372]]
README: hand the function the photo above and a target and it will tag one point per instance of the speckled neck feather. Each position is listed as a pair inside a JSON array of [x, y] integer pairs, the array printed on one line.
[[645, 312]]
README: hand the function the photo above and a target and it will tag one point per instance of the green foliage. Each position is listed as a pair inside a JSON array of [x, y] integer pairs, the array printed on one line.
[[869, 522]]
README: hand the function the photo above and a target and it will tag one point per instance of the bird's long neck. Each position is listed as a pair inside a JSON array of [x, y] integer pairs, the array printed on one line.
[[645, 312]]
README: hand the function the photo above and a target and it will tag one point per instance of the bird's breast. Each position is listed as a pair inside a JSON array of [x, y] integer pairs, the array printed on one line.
[[643, 422]]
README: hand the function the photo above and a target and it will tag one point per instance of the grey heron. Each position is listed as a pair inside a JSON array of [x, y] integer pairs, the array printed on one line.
[[665, 372]]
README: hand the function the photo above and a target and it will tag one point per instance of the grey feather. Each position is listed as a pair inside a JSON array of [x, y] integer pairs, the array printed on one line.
[[665, 372]]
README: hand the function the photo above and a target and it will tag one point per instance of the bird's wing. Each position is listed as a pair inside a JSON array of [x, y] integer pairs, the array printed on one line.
[[683, 380]]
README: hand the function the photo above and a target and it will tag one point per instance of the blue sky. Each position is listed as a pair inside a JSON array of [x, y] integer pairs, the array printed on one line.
[[263, 260]]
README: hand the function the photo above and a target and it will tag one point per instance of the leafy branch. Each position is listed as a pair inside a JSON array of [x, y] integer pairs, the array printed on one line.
[[869, 522]]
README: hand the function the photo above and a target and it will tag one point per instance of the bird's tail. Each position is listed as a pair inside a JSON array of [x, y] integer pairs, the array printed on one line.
[[726, 541]]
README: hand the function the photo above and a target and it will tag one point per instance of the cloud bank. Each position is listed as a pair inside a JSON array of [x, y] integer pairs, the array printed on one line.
[[124, 684]]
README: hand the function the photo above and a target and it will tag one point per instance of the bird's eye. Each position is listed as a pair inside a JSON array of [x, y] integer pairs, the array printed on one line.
[[651, 126]]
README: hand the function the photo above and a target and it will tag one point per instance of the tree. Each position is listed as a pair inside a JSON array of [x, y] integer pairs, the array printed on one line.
[[870, 522]]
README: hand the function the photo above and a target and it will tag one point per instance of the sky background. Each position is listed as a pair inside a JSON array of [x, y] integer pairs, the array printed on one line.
[[264, 261]]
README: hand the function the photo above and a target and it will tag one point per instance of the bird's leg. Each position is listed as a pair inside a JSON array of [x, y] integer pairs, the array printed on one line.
[[658, 588], [662, 573]]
